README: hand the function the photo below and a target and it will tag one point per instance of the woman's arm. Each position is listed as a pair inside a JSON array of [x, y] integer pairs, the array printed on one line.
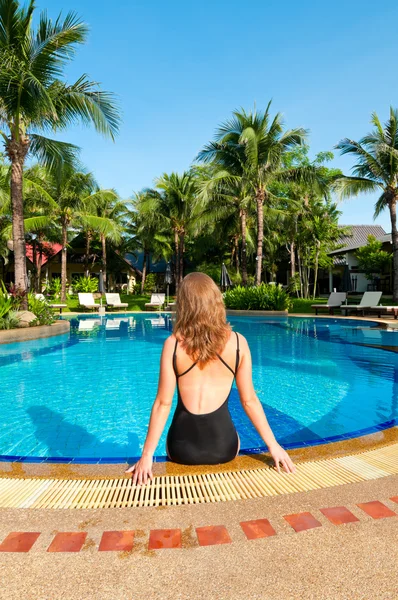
[[255, 411], [159, 414]]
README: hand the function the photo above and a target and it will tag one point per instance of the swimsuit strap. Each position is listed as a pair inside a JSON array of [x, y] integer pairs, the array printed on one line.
[[175, 363], [196, 362], [237, 358]]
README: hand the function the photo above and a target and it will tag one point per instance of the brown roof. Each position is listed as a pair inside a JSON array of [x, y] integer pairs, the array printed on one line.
[[359, 237]]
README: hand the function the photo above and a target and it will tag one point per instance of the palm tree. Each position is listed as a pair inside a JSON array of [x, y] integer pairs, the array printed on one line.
[[71, 199], [103, 212], [254, 145], [376, 171], [35, 97], [223, 195], [147, 232], [175, 204]]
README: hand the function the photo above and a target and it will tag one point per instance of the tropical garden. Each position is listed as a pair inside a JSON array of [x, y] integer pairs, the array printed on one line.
[[252, 197]]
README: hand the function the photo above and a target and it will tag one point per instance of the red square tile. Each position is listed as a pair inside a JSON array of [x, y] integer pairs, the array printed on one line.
[[302, 521], [339, 515], [164, 538], [212, 535], [376, 509], [19, 541], [116, 540], [259, 528], [394, 499], [67, 542]]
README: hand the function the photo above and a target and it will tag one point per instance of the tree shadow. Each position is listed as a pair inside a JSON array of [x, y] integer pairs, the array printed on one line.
[[64, 439]]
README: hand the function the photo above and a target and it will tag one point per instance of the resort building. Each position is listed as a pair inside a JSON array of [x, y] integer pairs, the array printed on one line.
[[345, 258]]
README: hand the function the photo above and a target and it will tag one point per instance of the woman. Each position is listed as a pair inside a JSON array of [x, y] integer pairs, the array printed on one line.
[[203, 357]]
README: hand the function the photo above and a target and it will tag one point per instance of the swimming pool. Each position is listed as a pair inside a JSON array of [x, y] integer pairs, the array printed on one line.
[[86, 396]]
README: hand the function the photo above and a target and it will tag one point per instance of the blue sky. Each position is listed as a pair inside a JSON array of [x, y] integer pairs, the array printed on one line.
[[181, 67]]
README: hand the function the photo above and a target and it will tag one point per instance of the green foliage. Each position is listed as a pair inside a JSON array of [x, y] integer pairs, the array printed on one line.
[[5, 302], [40, 308], [17, 296], [9, 321], [371, 258], [262, 297], [294, 284], [85, 284], [150, 283], [55, 287]]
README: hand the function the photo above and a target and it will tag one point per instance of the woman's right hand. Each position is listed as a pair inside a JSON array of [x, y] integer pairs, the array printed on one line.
[[142, 470]]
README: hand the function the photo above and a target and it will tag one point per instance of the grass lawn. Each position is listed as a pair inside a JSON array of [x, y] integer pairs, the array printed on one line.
[[303, 305]]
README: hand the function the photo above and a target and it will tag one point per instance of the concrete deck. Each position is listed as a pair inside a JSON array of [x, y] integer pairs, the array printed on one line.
[[352, 561]]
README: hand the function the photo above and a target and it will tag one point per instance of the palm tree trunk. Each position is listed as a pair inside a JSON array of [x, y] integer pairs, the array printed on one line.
[[181, 257], [316, 269], [394, 239], [292, 259], [243, 226], [144, 269], [236, 252], [177, 252], [86, 258], [38, 274], [64, 259], [16, 151], [103, 242], [34, 258], [260, 196]]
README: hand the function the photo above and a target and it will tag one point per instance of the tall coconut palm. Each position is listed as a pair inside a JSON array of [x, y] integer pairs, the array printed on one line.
[[70, 198], [147, 232], [103, 212], [376, 171], [254, 144], [174, 201], [223, 194], [35, 97]]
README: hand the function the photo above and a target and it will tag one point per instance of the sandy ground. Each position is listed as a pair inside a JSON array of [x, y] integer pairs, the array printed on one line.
[[351, 562]]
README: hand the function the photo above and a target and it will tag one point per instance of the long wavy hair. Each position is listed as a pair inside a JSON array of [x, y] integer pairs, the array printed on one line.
[[201, 323]]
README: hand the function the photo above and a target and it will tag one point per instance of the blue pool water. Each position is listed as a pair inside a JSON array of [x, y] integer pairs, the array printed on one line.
[[87, 395]]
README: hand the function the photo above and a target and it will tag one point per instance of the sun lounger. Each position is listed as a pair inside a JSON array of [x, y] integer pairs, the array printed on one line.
[[113, 301], [87, 301], [59, 305], [335, 300], [157, 301], [368, 300], [384, 310]]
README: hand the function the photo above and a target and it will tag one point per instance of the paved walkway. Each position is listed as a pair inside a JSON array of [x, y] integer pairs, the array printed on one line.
[[290, 556]]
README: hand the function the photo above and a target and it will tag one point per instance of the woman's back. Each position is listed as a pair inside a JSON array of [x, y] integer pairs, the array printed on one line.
[[204, 389]]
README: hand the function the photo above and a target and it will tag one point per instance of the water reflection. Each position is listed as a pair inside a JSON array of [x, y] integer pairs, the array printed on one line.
[[112, 327]]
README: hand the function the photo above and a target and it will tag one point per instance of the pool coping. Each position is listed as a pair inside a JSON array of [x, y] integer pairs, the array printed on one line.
[[26, 334]]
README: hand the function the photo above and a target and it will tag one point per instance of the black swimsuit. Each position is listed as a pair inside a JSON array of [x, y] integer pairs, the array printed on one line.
[[202, 439]]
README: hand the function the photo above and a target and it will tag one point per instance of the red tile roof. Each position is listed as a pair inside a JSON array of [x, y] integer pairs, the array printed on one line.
[[49, 250]]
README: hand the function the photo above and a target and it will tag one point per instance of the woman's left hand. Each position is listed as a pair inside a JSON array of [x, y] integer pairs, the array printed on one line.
[[142, 470], [280, 455]]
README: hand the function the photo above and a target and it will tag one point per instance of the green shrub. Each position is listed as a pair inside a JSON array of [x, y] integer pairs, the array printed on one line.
[[40, 308], [9, 321], [5, 302], [85, 284], [262, 297], [54, 288]]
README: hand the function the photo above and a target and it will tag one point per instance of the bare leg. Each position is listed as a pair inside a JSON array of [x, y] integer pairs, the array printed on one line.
[[238, 445]]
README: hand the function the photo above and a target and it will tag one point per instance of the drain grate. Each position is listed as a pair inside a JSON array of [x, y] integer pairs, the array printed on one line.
[[196, 489]]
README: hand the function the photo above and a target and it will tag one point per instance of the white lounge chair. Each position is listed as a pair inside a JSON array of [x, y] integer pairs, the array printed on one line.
[[335, 300], [385, 310], [157, 301], [113, 301], [58, 305], [368, 300], [87, 301]]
